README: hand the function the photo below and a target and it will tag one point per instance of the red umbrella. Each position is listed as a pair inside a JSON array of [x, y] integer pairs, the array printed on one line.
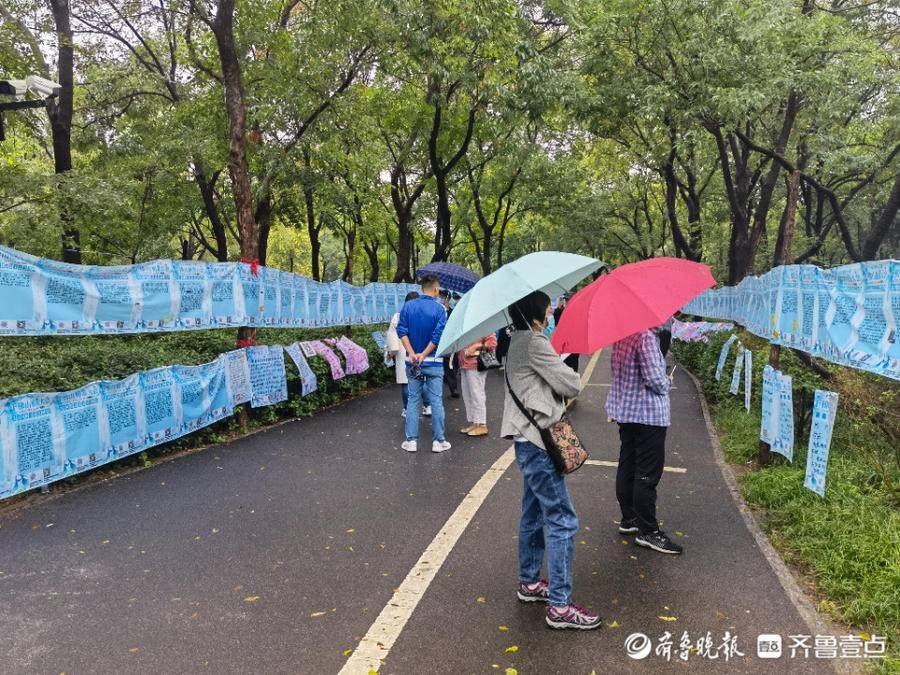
[[628, 300]]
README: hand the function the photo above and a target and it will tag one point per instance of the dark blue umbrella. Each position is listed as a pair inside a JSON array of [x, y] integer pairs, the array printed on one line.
[[453, 277]]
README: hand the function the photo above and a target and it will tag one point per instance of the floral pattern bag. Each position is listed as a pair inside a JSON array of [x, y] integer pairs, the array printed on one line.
[[563, 445]]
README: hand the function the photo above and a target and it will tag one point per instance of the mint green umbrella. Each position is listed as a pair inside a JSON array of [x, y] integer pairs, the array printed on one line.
[[483, 309]]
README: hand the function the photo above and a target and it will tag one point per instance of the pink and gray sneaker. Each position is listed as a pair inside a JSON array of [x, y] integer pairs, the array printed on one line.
[[572, 616], [538, 591]]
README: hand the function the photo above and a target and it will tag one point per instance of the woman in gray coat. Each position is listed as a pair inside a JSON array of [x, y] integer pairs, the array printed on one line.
[[541, 381]]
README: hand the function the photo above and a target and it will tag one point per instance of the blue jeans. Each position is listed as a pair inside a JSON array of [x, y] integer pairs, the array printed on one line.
[[404, 394], [433, 390], [545, 506]]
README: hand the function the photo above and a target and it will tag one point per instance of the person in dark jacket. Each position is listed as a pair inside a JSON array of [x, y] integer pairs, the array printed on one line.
[[451, 362]]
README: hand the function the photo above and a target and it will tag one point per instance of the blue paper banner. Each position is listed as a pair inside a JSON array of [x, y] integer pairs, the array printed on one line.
[[308, 381], [45, 437], [723, 356], [736, 375], [268, 381], [748, 377], [777, 424], [43, 297], [769, 419], [823, 415], [783, 442], [848, 315]]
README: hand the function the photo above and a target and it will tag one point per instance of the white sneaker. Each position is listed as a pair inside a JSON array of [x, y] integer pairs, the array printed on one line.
[[403, 414], [440, 446], [409, 446], [427, 411]]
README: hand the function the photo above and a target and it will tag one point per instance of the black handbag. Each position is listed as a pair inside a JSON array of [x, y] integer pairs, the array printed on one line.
[[487, 360], [562, 443]]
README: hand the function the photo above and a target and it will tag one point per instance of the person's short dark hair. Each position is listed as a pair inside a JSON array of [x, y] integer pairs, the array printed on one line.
[[533, 307], [412, 295], [429, 281]]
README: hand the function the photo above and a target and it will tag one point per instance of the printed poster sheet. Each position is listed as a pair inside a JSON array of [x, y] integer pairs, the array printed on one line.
[[308, 380], [268, 381], [823, 416], [736, 375], [723, 356], [237, 376]]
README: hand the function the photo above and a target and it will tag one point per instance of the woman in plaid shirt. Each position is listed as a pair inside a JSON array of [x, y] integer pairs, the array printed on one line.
[[639, 401]]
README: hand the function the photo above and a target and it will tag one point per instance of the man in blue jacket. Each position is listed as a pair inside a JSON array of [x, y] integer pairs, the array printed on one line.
[[420, 327]]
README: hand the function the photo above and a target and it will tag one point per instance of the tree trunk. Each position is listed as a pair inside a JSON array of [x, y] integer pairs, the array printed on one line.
[[886, 220], [371, 249], [440, 170], [736, 188], [60, 113], [223, 29], [767, 188], [350, 234], [263, 216], [207, 192], [404, 249], [312, 228]]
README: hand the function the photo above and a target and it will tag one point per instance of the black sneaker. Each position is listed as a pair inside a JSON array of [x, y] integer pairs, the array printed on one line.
[[629, 526], [658, 541]]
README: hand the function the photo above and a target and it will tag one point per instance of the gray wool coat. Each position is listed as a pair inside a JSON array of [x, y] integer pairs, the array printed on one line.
[[541, 380]]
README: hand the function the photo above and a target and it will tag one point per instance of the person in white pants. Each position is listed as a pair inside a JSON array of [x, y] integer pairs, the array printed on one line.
[[472, 385]]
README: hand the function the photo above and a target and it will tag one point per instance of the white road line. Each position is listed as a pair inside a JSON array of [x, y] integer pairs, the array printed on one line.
[[603, 462], [375, 646]]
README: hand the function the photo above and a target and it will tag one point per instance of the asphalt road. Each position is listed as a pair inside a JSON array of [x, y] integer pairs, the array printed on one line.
[[275, 554]]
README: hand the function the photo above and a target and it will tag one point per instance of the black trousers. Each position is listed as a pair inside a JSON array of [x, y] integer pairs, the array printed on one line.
[[641, 461], [451, 375]]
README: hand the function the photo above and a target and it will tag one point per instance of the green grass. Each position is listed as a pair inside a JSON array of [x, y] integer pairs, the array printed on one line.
[[847, 543]]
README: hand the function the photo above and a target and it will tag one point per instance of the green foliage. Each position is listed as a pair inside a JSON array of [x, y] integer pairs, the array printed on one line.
[[846, 542]]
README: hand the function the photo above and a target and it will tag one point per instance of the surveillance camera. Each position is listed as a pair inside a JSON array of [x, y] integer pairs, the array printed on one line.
[[43, 86], [14, 88]]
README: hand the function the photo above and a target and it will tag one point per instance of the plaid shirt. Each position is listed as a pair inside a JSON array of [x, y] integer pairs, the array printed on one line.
[[639, 392]]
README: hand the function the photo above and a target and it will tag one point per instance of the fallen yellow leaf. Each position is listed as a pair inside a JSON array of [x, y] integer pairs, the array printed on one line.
[[315, 614], [134, 650], [680, 534], [512, 671], [614, 624], [511, 649], [668, 618], [503, 627], [348, 652], [480, 599], [251, 598], [351, 531]]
